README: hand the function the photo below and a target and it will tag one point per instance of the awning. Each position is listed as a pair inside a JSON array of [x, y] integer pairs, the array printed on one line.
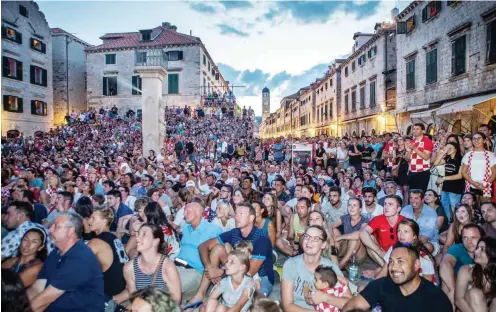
[[463, 105]]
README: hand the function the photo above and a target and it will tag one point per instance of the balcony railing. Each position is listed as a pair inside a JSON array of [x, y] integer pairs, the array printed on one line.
[[152, 57]]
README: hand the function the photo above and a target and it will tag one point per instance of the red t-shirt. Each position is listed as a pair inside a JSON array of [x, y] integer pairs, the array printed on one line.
[[383, 232]]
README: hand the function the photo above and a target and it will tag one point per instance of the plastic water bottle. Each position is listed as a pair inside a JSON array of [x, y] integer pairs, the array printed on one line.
[[353, 267]]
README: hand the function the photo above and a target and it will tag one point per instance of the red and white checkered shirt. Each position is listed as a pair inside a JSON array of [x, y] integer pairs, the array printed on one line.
[[389, 148], [417, 163], [337, 291]]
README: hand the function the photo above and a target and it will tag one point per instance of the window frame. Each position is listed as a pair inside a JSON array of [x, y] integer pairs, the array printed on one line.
[[139, 57], [44, 108], [17, 37], [179, 55], [491, 33], [42, 48], [108, 59], [18, 68], [373, 98], [106, 85], [25, 9], [169, 84], [136, 82], [429, 70], [346, 103], [19, 104], [454, 71], [38, 72], [353, 102], [411, 18], [362, 97]]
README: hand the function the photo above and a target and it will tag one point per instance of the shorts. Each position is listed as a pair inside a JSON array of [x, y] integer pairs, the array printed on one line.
[[190, 282], [265, 286]]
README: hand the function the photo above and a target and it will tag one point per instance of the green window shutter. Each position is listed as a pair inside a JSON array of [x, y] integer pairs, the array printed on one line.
[[19, 71], [44, 77], [33, 107], [491, 43], [5, 102], [173, 84], [134, 85], [424, 13], [180, 55], [104, 91], [20, 109], [32, 72], [5, 67]]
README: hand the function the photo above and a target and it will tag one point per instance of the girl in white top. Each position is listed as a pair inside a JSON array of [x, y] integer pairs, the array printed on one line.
[[222, 218], [236, 289]]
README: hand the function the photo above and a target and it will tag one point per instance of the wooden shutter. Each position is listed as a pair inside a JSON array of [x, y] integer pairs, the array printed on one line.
[[44, 77], [180, 55], [491, 43], [134, 85], [43, 48], [5, 102], [424, 13], [33, 107], [18, 37], [104, 91], [32, 71], [5, 67], [20, 109], [438, 6], [401, 28]]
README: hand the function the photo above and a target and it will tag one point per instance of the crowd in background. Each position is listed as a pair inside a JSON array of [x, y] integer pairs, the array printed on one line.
[[218, 220]]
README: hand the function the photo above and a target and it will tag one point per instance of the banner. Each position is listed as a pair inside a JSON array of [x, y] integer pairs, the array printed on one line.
[[301, 154]]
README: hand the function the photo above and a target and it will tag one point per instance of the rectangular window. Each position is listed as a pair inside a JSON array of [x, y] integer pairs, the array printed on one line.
[[331, 108], [11, 34], [110, 58], [38, 76], [326, 85], [204, 60], [431, 66], [12, 104], [372, 94], [491, 43], [431, 10], [353, 66], [346, 107], [458, 56], [353, 101], [410, 75], [23, 11], [146, 35], [208, 66], [410, 24], [136, 85], [361, 59], [346, 71], [362, 97], [11, 68], [372, 52], [330, 83], [140, 57], [175, 55], [37, 45], [38, 108], [110, 85], [174, 84]]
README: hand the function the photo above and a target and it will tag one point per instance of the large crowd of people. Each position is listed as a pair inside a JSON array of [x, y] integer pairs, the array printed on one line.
[[218, 220]]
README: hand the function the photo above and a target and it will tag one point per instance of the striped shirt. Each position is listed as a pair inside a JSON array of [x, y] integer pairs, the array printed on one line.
[[142, 280]]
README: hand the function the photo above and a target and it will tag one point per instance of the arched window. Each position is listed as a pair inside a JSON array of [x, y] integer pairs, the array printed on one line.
[[363, 133], [354, 133], [373, 132]]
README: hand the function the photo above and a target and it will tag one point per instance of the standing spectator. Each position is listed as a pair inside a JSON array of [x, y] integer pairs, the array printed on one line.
[[419, 151]]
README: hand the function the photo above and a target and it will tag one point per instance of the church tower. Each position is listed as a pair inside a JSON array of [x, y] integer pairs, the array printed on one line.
[[265, 103]]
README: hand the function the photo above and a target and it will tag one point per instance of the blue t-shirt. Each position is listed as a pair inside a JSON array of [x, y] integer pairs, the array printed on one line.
[[461, 256], [37, 183], [122, 211], [262, 248], [79, 275], [40, 213], [192, 238]]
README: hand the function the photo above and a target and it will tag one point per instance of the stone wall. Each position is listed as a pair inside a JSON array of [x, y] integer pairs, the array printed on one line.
[[34, 24], [77, 76], [433, 34]]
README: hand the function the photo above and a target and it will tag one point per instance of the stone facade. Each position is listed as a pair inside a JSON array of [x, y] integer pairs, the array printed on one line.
[[196, 72], [437, 34], [364, 73], [69, 74], [31, 45]]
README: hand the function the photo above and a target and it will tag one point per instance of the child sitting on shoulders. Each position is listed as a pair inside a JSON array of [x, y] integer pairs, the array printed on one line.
[[326, 281], [236, 289], [247, 247]]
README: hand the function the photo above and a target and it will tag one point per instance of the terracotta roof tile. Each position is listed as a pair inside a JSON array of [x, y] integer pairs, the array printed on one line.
[[133, 40]]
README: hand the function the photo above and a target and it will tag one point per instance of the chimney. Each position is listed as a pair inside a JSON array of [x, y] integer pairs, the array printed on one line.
[[169, 26], [190, 32], [394, 13]]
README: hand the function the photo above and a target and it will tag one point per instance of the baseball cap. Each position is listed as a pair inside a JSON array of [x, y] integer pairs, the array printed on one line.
[[190, 184]]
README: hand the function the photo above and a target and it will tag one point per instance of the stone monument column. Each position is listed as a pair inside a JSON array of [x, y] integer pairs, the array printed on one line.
[[152, 122]]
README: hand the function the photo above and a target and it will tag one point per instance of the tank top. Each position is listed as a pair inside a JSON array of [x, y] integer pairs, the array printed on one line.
[[265, 227], [298, 229], [19, 268], [143, 280], [113, 278]]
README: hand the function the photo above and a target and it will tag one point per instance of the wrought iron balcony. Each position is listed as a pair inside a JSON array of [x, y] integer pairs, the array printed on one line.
[[151, 57]]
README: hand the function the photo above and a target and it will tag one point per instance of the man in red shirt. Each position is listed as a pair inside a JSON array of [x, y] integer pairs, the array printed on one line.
[[380, 233], [418, 153]]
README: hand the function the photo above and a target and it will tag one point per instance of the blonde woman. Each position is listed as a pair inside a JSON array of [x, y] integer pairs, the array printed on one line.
[[222, 218], [49, 194]]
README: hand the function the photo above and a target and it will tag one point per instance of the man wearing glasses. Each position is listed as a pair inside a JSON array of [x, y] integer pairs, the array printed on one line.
[[380, 234], [479, 168]]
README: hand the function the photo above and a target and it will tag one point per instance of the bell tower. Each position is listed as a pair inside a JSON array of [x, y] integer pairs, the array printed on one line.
[[265, 103]]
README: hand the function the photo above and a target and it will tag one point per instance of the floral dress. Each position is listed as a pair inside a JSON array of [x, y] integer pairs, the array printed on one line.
[[173, 246]]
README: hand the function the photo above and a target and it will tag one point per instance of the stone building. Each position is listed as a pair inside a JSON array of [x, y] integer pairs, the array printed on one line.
[[446, 65], [27, 95], [368, 83], [69, 74], [112, 78]]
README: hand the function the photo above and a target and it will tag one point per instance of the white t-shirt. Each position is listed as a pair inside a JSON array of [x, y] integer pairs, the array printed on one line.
[[205, 189], [479, 165], [229, 225], [292, 203], [173, 179], [377, 212], [179, 219]]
